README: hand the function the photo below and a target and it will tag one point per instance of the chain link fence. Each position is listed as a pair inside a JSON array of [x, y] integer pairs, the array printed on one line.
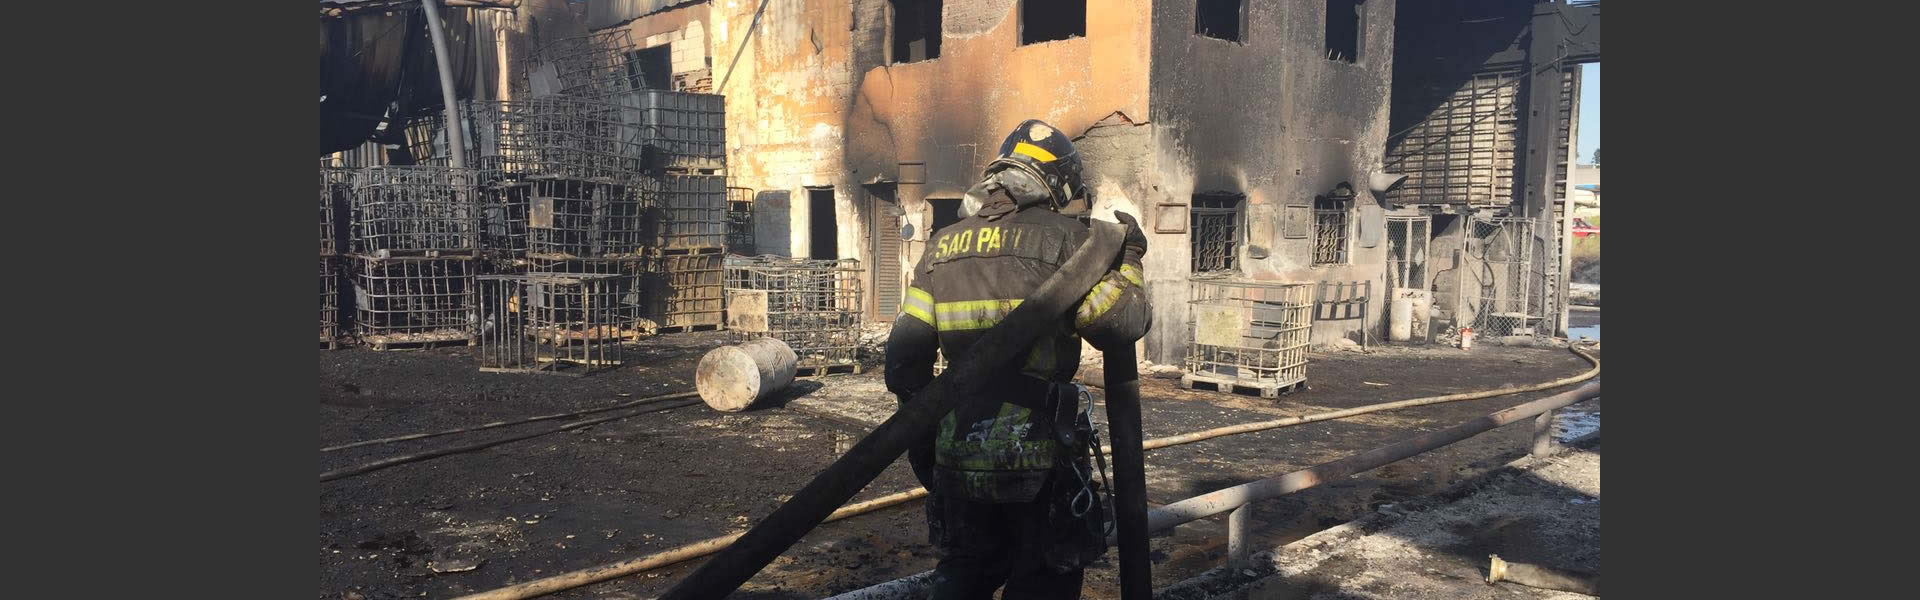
[[1501, 284]]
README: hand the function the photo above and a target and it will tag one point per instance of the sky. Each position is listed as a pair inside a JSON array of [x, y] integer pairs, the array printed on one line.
[[1589, 112]]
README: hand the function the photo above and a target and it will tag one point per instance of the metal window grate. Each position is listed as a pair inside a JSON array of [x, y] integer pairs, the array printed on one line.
[[1407, 251], [413, 300], [1249, 333], [1330, 228], [1214, 228], [554, 324], [812, 305]]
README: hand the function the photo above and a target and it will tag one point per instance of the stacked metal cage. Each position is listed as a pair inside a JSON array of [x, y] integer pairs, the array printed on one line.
[[414, 235], [588, 188], [333, 189], [1248, 335], [554, 324], [812, 305]]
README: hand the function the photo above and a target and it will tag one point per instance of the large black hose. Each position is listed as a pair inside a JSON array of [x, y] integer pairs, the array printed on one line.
[[1129, 472], [995, 352]]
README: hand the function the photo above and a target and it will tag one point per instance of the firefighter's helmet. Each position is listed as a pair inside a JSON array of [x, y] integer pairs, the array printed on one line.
[[1046, 153]]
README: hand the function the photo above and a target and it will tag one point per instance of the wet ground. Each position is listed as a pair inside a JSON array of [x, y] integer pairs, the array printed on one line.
[[1544, 513], [478, 520]]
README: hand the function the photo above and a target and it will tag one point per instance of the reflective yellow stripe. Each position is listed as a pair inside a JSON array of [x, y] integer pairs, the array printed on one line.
[[1034, 151], [919, 304], [972, 314], [1097, 302], [1132, 275]]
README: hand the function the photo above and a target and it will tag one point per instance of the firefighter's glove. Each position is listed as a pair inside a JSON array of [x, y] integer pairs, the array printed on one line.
[[1136, 242]]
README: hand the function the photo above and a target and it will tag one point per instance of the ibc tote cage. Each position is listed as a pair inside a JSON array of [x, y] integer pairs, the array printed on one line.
[[812, 305], [563, 324], [1245, 333]]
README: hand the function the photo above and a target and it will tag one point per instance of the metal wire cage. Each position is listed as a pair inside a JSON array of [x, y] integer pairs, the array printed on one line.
[[812, 305], [554, 324], [686, 130], [414, 210], [413, 300], [503, 220], [740, 221], [686, 291], [329, 301], [575, 218], [335, 184], [1407, 251], [1500, 276], [555, 136], [1249, 333], [688, 211], [591, 65]]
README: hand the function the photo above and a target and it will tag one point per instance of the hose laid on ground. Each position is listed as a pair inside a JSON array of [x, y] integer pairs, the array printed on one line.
[[1535, 576], [415, 436], [400, 460], [1189, 438], [564, 581]]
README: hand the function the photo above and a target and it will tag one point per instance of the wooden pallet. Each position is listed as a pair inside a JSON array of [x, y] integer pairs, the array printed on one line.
[[688, 328], [825, 370], [387, 254], [1239, 386], [687, 251], [383, 344], [329, 345]]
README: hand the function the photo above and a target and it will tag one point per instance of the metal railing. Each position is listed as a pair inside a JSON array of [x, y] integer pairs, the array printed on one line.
[[1236, 501]]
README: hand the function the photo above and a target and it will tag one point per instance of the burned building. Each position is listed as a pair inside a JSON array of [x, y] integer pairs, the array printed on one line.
[[1257, 140], [1242, 134]]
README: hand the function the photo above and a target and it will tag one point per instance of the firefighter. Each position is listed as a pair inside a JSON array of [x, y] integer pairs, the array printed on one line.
[[1014, 499]]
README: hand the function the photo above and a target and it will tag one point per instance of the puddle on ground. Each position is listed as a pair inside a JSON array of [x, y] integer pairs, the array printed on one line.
[[1575, 421], [1591, 332]]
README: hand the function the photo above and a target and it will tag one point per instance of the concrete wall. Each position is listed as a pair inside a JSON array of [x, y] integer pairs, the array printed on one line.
[[950, 113], [1271, 118]]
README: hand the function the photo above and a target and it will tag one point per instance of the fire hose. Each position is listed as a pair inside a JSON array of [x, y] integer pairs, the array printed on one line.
[[573, 579], [993, 353]]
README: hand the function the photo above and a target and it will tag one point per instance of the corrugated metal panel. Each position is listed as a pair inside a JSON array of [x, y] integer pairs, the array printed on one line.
[[607, 13]]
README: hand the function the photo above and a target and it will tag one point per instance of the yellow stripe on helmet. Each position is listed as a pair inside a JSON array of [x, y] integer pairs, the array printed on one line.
[[1034, 151]]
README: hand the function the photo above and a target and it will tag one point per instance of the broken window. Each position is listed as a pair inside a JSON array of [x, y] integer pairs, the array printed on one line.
[[1407, 252], [916, 30], [1049, 20], [822, 226], [946, 211], [1220, 19], [1329, 231], [1343, 30], [651, 68], [1214, 228]]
